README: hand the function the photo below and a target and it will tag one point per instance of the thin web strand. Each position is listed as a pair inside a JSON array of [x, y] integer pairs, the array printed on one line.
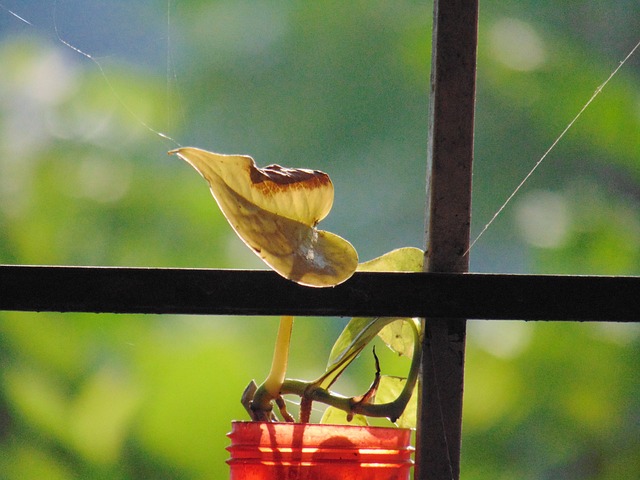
[[109, 84], [537, 164], [16, 15]]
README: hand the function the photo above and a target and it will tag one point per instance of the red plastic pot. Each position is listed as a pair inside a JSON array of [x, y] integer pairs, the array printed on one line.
[[296, 451]]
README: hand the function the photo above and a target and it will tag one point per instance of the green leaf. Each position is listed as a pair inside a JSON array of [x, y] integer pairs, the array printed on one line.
[[355, 336], [388, 390], [398, 336], [357, 331], [335, 416], [360, 331], [397, 333], [406, 259]]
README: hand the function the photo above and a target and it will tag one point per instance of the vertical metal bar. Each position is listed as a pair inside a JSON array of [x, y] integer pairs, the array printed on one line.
[[450, 159]]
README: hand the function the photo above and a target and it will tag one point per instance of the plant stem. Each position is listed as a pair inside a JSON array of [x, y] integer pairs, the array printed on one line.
[[274, 381], [392, 410]]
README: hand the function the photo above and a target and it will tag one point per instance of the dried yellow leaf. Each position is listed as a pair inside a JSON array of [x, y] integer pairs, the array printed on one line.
[[274, 210]]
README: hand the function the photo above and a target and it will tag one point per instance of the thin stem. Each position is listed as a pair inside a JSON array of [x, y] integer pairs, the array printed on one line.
[[274, 381], [261, 405]]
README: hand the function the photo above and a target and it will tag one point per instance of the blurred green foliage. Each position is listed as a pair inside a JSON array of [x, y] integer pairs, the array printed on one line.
[[337, 86]]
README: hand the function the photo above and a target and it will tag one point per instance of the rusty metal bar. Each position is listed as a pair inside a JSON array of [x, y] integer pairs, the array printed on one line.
[[450, 159], [240, 292]]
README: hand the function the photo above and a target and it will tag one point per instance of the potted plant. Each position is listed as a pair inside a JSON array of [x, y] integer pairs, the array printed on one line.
[[275, 211]]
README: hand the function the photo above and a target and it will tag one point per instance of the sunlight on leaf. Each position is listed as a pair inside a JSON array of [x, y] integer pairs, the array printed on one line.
[[355, 336], [335, 416], [274, 210], [358, 329], [398, 336], [407, 259], [398, 333], [388, 390]]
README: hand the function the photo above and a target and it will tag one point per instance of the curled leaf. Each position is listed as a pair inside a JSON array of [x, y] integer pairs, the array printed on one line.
[[275, 210]]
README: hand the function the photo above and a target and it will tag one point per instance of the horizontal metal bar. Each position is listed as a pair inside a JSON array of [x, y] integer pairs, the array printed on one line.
[[258, 292]]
